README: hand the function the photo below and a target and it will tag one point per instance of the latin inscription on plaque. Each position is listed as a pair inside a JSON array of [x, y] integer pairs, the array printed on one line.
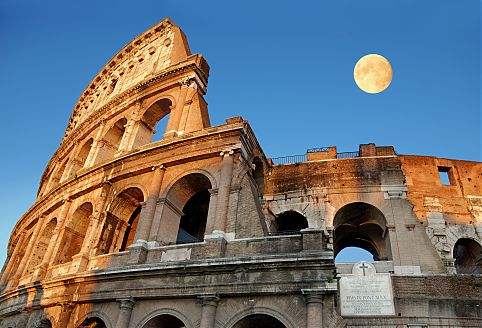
[[365, 292]]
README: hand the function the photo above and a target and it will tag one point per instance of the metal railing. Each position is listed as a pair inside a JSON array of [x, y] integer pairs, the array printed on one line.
[[316, 150], [289, 159], [348, 154]]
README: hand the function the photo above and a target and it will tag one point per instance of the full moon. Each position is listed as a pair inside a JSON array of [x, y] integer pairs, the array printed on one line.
[[373, 73]]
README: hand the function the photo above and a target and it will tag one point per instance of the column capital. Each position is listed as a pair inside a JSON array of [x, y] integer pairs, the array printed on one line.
[[159, 166], [126, 303], [213, 191], [226, 153], [315, 295], [209, 300]]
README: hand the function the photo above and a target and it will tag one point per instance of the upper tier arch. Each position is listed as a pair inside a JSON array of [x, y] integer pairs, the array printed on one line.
[[156, 49]]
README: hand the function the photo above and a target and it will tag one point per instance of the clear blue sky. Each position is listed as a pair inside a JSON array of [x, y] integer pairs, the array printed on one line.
[[285, 66]]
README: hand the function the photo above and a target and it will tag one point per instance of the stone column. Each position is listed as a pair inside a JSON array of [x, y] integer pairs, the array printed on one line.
[[80, 260], [65, 314], [149, 209], [314, 309], [126, 137], [11, 259], [125, 311], [94, 149], [55, 240], [209, 305], [28, 252], [175, 119], [211, 219], [224, 191]]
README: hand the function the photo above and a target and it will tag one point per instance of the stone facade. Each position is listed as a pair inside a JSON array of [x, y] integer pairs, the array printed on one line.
[[200, 229]]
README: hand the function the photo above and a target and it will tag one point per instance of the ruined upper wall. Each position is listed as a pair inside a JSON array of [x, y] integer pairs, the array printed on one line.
[[426, 190], [156, 49]]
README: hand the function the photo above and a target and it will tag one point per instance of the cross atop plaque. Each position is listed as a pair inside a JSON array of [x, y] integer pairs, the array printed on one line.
[[365, 292], [363, 268]]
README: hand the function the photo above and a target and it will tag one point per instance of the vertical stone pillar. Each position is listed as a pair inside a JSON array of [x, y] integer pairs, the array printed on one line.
[[314, 309], [64, 318], [209, 305], [94, 149], [28, 252], [94, 221], [175, 119], [224, 191], [211, 219], [149, 209], [11, 259], [125, 311], [126, 137], [54, 242]]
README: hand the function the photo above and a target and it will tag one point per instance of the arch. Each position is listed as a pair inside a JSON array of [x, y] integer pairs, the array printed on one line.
[[122, 216], [150, 319], [185, 209], [93, 322], [290, 222], [79, 160], [361, 225], [42, 245], [111, 141], [58, 173], [74, 233], [468, 256], [259, 320], [94, 317], [152, 128], [280, 317]]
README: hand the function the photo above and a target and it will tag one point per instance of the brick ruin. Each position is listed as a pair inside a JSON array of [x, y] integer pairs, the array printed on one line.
[[200, 229]]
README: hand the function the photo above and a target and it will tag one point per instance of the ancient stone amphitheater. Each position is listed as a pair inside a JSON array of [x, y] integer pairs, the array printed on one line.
[[200, 229]]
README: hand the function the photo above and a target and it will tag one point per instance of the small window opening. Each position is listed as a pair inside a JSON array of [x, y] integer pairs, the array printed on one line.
[[445, 175]]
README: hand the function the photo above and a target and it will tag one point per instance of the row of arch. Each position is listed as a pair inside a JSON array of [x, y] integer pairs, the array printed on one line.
[[112, 140], [188, 200], [172, 321], [362, 226]]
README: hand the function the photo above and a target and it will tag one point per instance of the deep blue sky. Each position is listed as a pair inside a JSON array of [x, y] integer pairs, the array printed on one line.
[[285, 66]]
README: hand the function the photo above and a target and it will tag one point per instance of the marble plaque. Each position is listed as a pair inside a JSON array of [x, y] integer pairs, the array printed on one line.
[[365, 292]]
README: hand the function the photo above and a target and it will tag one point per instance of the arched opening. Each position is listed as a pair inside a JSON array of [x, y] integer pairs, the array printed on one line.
[[259, 320], [164, 321], [154, 123], [74, 233], [42, 245], [353, 254], [290, 222], [111, 141], [258, 175], [58, 174], [79, 160], [363, 226], [193, 222], [93, 322], [121, 221], [468, 256], [186, 209]]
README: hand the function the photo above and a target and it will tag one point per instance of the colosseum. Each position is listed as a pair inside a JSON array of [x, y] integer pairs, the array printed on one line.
[[193, 226]]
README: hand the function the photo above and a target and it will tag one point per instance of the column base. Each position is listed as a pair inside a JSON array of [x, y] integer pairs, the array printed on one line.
[[79, 263], [138, 252]]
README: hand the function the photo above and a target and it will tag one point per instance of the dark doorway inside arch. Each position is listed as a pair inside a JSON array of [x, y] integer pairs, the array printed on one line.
[[193, 223], [259, 320], [363, 226], [131, 229], [164, 321], [93, 323], [468, 256], [290, 222]]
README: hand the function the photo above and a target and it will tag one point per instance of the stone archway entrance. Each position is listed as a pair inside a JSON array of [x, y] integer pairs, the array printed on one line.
[[259, 320], [164, 321]]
